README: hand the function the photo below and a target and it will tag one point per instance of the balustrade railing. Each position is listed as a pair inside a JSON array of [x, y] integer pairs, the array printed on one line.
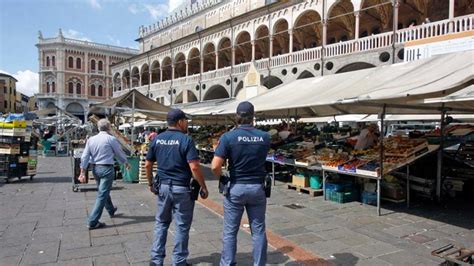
[[241, 68], [263, 63]]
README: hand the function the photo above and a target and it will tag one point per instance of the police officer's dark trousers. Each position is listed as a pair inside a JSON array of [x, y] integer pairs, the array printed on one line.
[[252, 198], [173, 202]]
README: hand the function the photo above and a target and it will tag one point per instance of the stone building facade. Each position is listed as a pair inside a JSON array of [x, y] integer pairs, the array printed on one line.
[[8, 93], [74, 73], [202, 52]]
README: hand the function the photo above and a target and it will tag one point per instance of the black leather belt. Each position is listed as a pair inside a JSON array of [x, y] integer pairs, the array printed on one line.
[[252, 181]]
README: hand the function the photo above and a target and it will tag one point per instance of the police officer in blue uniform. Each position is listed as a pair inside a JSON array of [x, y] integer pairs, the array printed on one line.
[[177, 162], [246, 150]]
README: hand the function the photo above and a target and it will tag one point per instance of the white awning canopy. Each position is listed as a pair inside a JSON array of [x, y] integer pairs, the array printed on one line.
[[364, 91]]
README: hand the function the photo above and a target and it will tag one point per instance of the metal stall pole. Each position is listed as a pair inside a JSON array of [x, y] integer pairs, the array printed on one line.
[[324, 184], [273, 172], [133, 118], [440, 155], [408, 185], [382, 116]]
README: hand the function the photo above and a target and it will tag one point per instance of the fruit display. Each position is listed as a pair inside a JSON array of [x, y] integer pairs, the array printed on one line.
[[403, 147], [351, 166]]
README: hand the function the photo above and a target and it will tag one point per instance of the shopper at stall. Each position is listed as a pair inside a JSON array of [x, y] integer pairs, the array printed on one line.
[[100, 152], [246, 149], [177, 162], [367, 138], [152, 134]]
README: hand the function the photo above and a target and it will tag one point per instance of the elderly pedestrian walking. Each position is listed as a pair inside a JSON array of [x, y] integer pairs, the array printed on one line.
[[100, 152]]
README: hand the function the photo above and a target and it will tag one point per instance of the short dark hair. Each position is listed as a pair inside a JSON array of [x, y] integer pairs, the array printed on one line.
[[244, 119], [171, 123]]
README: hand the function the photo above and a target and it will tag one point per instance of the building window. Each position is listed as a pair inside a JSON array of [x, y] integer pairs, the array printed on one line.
[[71, 88], [99, 91], [93, 65], [47, 87], [71, 62], [47, 61], [78, 88], [53, 87], [92, 90], [78, 63], [101, 66], [53, 60]]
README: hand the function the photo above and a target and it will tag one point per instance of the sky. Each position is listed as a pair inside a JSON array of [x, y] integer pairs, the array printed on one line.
[[113, 22]]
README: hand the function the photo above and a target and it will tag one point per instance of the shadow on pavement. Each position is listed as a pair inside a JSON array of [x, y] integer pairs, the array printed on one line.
[[133, 219], [343, 259], [242, 258], [454, 212]]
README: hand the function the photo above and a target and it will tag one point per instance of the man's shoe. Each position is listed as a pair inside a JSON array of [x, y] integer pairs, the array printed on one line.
[[97, 226], [113, 213]]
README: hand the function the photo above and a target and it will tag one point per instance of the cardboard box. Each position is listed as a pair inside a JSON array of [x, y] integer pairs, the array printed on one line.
[[300, 181]]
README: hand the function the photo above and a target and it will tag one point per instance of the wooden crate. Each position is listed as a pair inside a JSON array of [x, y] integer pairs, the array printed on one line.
[[306, 190], [300, 181]]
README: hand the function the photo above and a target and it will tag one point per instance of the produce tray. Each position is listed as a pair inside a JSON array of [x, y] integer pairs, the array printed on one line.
[[352, 169], [408, 152], [12, 132]]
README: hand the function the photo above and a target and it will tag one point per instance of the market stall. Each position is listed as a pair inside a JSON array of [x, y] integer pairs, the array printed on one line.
[[395, 89]]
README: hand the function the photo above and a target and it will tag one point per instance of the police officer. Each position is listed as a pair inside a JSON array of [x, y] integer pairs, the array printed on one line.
[[246, 150], [177, 161]]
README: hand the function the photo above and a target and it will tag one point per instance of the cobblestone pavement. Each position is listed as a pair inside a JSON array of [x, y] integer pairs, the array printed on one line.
[[43, 222]]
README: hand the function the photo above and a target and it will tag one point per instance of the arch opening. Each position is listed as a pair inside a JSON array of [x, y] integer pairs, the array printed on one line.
[[145, 75], [224, 52], [166, 68], [209, 57], [341, 22], [243, 48], [155, 72], [262, 43], [216, 92], [179, 66], [135, 77], [307, 31], [281, 38], [305, 74], [194, 61], [271, 82], [354, 67], [126, 79]]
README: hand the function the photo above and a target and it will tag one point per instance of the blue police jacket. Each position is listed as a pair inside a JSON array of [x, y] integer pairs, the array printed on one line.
[[173, 150], [246, 149]]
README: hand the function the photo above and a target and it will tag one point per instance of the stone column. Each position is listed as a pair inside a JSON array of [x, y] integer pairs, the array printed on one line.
[[325, 29], [161, 74], [187, 68], [172, 71], [233, 57], [270, 48], [253, 50], [396, 5], [451, 15], [290, 45], [217, 59], [357, 22], [201, 66], [150, 75], [451, 9]]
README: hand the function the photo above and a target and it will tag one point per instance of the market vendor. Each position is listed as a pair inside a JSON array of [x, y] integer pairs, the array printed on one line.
[[367, 138]]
